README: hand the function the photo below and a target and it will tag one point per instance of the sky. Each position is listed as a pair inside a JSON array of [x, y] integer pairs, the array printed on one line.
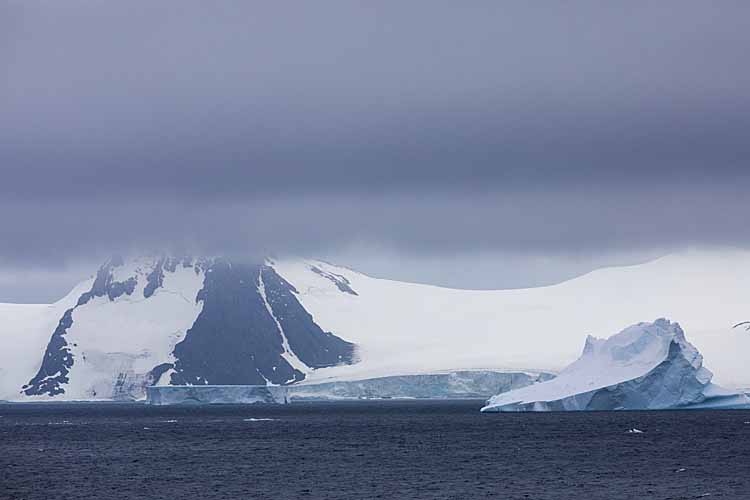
[[488, 145]]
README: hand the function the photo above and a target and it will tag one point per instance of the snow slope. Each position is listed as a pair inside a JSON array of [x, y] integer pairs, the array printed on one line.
[[646, 366], [116, 336], [119, 341], [403, 328], [24, 333]]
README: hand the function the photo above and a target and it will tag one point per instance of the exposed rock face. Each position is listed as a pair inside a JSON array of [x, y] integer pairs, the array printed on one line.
[[315, 347], [341, 282], [646, 366], [250, 320]]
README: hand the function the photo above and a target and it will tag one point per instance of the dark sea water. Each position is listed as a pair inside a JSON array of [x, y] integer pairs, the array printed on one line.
[[390, 449]]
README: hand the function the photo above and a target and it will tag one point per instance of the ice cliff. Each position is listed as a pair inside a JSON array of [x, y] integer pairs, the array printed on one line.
[[646, 366], [462, 384], [161, 395]]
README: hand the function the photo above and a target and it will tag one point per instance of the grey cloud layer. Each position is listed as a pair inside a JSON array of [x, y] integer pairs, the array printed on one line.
[[539, 222], [428, 126]]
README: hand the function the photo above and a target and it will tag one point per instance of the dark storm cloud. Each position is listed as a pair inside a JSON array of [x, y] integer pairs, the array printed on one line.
[[429, 126]]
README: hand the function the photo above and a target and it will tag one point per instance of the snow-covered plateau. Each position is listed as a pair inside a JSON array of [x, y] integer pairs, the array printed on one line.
[[647, 366], [212, 321]]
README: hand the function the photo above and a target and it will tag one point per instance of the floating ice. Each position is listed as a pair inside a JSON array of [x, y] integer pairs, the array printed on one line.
[[646, 366]]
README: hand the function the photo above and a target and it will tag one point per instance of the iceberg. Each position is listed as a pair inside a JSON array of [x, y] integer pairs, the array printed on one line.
[[647, 366]]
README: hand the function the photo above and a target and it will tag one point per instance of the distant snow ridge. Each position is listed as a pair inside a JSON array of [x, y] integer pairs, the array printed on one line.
[[646, 366]]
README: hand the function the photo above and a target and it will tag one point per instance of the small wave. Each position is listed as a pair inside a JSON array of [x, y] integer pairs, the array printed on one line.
[[62, 422]]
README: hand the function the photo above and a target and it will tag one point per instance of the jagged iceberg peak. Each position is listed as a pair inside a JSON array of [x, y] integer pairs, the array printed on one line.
[[645, 366], [632, 352]]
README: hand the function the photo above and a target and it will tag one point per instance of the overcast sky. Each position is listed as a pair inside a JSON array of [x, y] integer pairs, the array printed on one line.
[[525, 141]]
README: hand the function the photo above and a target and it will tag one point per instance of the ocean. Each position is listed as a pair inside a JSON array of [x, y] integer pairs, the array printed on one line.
[[366, 449]]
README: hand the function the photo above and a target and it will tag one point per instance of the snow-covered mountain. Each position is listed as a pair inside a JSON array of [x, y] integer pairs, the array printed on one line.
[[646, 366], [168, 321], [215, 321]]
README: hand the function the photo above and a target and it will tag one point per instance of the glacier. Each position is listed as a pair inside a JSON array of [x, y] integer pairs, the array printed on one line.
[[647, 366]]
